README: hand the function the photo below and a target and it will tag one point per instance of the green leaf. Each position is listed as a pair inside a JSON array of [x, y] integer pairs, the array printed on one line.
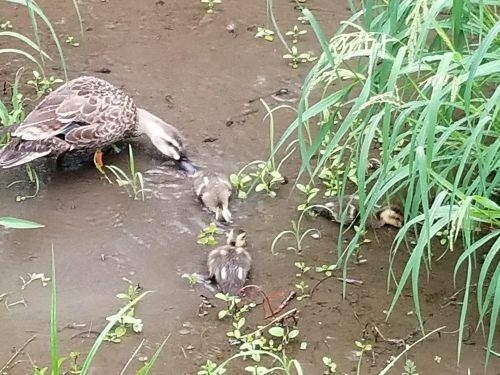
[[14, 223], [240, 323], [260, 187], [234, 179], [120, 331], [293, 333], [246, 179], [277, 331]]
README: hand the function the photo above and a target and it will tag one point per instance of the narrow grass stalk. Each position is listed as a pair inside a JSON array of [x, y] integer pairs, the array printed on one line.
[[423, 84]]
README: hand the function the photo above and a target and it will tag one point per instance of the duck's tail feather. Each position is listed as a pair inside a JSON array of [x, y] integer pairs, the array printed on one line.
[[18, 153], [232, 284]]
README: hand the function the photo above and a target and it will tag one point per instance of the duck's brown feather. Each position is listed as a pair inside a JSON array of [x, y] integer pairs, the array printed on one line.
[[85, 113]]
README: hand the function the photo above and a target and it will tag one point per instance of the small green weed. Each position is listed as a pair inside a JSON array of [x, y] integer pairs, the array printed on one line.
[[295, 33], [331, 366], [444, 237], [74, 363], [310, 192], [302, 287], [207, 235], [17, 113], [125, 321], [232, 308], [211, 4], [267, 179], [209, 368], [33, 179], [302, 267], [334, 169], [71, 41], [296, 233], [326, 269], [6, 25], [42, 84], [303, 20], [133, 184], [239, 181], [192, 278], [265, 33], [363, 348], [296, 58], [410, 368]]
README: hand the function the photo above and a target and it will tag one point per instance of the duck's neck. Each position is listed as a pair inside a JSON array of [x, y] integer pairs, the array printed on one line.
[[149, 124]]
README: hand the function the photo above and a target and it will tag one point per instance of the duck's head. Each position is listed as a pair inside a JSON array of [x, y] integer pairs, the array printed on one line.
[[236, 237], [391, 215], [166, 138]]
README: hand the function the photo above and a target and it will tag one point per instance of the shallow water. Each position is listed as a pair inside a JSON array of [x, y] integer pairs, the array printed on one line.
[[183, 65]]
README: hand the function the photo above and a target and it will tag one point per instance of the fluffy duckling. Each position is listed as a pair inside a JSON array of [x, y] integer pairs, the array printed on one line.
[[230, 264], [387, 215], [214, 191]]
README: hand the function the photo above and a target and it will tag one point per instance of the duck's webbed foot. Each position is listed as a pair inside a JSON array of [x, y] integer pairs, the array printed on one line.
[[98, 161]]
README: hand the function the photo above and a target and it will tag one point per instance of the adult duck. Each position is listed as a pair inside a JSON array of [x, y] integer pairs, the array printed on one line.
[[87, 113]]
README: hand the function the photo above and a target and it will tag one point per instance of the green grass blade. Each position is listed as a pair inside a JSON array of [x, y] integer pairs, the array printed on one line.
[[14, 223], [105, 331], [19, 52], [25, 40], [146, 369], [53, 321]]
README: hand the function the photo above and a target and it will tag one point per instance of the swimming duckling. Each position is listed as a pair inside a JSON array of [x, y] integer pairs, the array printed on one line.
[[387, 215], [230, 264], [214, 190]]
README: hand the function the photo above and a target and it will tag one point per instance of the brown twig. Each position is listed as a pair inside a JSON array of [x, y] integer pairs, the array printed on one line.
[[283, 316], [18, 351], [453, 297], [261, 291], [317, 284], [348, 281], [282, 305], [400, 341], [85, 335]]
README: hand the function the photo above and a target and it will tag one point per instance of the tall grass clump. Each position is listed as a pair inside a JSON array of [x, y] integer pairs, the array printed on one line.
[[420, 80], [12, 42]]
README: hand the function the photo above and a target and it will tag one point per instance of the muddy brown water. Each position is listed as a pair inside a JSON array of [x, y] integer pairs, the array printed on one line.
[[182, 64]]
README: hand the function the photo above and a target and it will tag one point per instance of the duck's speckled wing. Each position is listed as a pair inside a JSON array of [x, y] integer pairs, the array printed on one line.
[[84, 111]]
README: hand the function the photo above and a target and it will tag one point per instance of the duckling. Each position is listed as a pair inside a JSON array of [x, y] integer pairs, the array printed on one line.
[[214, 190], [230, 264], [387, 215]]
